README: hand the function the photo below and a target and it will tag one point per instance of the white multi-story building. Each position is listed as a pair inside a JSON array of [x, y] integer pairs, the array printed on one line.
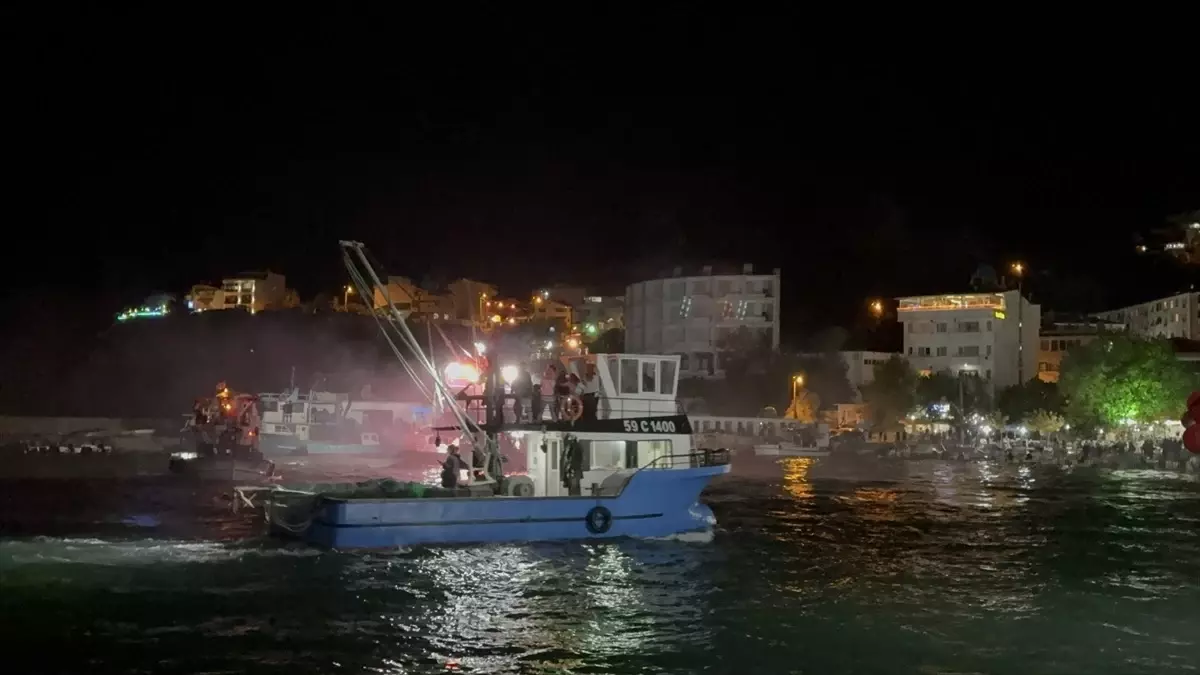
[[254, 291], [988, 335], [693, 315], [1173, 316]]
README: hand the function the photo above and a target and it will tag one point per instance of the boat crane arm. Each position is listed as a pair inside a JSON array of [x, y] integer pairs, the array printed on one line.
[[352, 250]]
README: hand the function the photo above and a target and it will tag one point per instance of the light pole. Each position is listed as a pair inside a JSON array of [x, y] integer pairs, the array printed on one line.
[[1019, 270], [346, 293], [797, 383]]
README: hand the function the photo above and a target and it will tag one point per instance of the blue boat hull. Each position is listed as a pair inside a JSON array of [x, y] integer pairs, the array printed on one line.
[[654, 503]]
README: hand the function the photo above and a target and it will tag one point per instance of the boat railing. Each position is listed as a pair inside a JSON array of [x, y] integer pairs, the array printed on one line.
[[474, 406], [700, 458]]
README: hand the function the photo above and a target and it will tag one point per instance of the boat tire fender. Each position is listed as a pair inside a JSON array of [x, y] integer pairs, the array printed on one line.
[[599, 520], [572, 407]]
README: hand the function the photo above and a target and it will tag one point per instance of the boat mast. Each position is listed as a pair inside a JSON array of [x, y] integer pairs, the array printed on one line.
[[397, 319]]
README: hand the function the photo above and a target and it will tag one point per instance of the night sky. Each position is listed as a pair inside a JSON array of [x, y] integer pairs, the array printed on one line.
[[154, 151]]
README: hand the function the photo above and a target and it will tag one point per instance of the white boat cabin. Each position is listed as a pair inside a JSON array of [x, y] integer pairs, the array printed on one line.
[[294, 414], [634, 387]]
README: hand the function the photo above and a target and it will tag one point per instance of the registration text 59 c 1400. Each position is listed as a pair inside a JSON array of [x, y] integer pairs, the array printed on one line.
[[656, 426]]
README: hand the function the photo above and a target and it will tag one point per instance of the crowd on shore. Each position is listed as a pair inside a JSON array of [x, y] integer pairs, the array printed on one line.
[[1162, 454]]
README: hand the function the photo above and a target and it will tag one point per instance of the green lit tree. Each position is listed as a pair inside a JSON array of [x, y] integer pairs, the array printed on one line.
[[1113, 379], [1045, 422]]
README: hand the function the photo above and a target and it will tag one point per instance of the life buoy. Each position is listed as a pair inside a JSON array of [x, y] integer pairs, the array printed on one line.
[[598, 520], [571, 408]]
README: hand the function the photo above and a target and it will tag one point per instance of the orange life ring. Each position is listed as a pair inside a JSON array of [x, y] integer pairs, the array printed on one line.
[[571, 408]]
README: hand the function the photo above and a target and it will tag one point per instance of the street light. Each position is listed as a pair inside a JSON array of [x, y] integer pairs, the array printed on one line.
[[797, 383], [346, 293], [877, 308], [1018, 269]]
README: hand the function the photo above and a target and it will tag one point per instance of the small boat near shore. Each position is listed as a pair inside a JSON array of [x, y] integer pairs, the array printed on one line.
[[223, 431]]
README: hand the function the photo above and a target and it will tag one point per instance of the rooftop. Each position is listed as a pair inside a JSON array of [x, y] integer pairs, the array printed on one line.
[[953, 301]]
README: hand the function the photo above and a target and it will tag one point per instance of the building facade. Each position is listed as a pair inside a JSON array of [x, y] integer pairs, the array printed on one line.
[[860, 366], [988, 335], [600, 313], [250, 291], [409, 297], [468, 299], [1176, 316], [694, 315], [1057, 337]]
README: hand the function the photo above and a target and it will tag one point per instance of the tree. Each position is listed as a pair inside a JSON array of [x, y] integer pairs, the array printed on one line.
[[611, 341], [965, 395], [892, 394], [757, 376], [1045, 422], [1113, 379], [804, 408], [1020, 401]]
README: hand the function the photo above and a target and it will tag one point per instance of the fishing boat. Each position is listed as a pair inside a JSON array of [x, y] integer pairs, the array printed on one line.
[[629, 470], [222, 440], [328, 424]]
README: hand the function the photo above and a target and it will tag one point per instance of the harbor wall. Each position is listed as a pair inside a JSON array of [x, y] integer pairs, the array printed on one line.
[[21, 428]]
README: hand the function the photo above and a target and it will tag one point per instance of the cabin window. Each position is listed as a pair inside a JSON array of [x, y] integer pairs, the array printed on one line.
[[649, 451], [629, 376], [649, 377], [605, 454], [666, 384], [631, 454]]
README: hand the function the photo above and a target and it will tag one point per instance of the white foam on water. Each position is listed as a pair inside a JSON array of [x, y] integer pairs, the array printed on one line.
[[91, 551], [699, 537]]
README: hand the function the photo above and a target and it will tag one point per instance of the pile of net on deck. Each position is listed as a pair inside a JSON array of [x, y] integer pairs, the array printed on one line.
[[377, 488]]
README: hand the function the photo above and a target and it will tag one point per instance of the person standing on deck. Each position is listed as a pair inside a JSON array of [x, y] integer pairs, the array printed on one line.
[[494, 394], [549, 378], [451, 466], [522, 389], [590, 392]]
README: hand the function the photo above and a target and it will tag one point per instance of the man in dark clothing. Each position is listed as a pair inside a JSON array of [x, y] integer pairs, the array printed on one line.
[[451, 466], [494, 392], [522, 389]]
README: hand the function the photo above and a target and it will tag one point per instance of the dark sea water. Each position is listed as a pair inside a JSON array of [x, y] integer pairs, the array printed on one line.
[[920, 567]]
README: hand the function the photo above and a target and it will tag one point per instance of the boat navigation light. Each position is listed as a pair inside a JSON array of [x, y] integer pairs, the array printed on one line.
[[509, 373]]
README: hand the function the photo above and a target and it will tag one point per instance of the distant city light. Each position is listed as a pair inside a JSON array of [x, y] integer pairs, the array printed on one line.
[[573, 343], [549, 344], [480, 348], [143, 313]]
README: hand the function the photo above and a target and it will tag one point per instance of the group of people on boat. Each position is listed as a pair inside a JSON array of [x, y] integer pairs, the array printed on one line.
[[558, 395]]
